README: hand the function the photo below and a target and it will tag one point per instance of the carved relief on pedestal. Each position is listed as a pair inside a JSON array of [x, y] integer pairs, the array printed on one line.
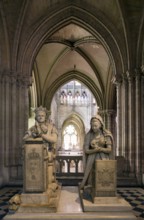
[[105, 178], [34, 168]]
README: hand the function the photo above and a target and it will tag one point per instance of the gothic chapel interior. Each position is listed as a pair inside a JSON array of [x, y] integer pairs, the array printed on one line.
[[76, 58]]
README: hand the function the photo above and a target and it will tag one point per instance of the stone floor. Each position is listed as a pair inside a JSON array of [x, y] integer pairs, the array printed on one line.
[[70, 197]]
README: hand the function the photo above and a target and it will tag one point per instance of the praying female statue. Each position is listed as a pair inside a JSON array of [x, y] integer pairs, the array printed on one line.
[[98, 145]]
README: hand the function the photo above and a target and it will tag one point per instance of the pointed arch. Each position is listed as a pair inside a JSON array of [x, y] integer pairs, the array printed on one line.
[[75, 120], [73, 75], [62, 17]]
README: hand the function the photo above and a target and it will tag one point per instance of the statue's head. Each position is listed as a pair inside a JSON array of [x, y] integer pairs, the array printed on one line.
[[41, 114], [97, 119]]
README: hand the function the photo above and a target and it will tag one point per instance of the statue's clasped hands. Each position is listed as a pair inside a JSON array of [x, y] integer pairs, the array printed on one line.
[[95, 146], [37, 131]]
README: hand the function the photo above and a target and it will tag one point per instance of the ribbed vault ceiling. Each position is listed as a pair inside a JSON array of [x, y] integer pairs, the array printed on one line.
[[60, 40], [73, 49]]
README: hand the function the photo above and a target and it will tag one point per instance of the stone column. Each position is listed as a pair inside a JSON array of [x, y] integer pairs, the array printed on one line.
[[131, 123], [5, 118], [138, 121], [130, 116], [23, 110], [124, 119], [142, 124], [13, 118], [20, 104], [118, 84], [109, 120], [107, 116], [110, 124]]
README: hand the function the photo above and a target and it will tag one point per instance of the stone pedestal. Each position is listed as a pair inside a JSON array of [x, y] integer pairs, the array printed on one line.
[[35, 166], [104, 179], [40, 202], [102, 197], [40, 195], [105, 204]]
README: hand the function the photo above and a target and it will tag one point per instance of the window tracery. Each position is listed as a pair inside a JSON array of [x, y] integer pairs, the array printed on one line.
[[73, 93]]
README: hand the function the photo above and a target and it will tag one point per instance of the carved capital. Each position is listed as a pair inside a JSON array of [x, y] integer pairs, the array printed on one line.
[[138, 73], [142, 69], [15, 78], [125, 76], [130, 76], [23, 81], [117, 80], [107, 113], [5, 77]]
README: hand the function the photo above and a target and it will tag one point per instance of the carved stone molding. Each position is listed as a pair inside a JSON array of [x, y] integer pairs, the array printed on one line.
[[15, 78], [108, 112], [128, 77], [117, 80]]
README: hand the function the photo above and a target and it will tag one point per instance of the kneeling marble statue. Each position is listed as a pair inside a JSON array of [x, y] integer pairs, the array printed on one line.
[[45, 130], [98, 145], [39, 152]]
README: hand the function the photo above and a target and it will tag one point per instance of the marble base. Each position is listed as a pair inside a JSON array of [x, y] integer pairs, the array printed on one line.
[[106, 204], [39, 202], [72, 216], [102, 205], [69, 208]]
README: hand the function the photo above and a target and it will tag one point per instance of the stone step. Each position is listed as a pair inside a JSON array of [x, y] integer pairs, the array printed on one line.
[[69, 208], [72, 216]]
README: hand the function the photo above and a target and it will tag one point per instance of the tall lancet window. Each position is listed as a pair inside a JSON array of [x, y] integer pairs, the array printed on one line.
[[70, 137]]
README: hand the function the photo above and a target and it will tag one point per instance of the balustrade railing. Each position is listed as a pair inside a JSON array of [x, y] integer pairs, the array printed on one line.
[[69, 169]]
